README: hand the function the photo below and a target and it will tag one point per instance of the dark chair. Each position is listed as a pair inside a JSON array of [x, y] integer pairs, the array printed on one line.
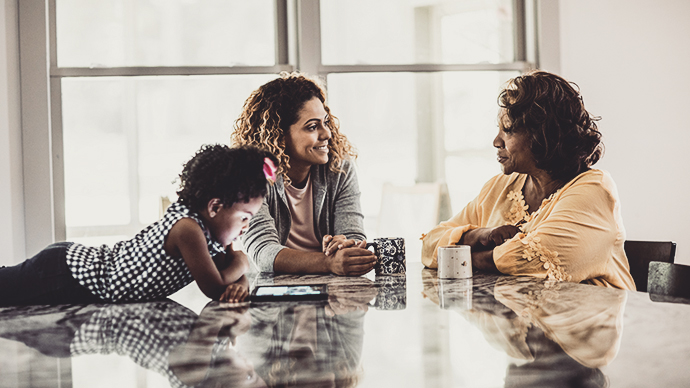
[[641, 253], [669, 279]]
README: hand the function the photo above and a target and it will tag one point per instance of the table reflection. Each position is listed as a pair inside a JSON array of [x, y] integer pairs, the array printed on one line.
[[270, 344], [372, 332], [165, 337], [316, 344], [557, 333]]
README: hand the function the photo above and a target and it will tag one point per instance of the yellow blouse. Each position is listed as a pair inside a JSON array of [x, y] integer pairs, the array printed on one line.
[[576, 235]]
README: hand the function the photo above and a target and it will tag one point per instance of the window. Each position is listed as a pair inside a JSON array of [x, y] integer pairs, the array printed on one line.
[[130, 33], [143, 84], [417, 32], [126, 138], [415, 86], [138, 85]]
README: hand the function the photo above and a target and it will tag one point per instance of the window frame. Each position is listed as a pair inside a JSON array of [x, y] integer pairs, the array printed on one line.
[[298, 46]]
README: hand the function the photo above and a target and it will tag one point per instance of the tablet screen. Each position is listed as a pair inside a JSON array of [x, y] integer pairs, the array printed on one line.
[[292, 292]]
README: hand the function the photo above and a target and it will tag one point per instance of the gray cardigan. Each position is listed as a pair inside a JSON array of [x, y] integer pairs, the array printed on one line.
[[336, 211]]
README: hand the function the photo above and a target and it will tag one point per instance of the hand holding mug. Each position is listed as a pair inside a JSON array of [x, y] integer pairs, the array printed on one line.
[[354, 260]]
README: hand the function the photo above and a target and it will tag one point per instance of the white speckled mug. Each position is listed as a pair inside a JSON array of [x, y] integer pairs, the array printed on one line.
[[454, 262]]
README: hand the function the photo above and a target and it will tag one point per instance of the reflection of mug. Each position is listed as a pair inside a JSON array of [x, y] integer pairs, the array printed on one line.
[[455, 294], [390, 255], [392, 292], [454, 262]]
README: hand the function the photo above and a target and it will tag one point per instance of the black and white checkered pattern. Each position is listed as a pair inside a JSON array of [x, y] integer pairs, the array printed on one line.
[[137, 269]]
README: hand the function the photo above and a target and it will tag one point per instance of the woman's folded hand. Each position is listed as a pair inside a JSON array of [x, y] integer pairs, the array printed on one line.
[[333, 243], [487, 238], [500, 234], [351, 260]]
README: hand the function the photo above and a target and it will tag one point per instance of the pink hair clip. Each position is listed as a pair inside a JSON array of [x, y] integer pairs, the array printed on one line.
[[269, 170]]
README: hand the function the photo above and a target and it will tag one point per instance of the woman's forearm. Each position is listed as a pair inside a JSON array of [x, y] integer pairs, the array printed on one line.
[[484, 261], [299, 262], [473, 238]]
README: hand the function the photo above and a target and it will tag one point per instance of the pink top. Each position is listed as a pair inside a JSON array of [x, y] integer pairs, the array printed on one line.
[[301, 203]]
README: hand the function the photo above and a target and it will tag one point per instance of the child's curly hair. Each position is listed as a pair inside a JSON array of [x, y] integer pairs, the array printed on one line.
[[229, 174], [269, 112]]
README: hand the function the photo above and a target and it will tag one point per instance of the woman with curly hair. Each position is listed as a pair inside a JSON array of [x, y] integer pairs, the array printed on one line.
[[550, 214], [221, 188], [311, 221]]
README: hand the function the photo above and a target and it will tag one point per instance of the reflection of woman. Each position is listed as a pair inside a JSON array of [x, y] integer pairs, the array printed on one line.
[[566, 332], [586, 323], [303, 345], [311, 221], [559, 333], [549, 214]]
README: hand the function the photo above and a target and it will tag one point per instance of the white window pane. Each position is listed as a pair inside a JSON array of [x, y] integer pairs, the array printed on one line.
[[466, 175], [165, 33], [477, 32], [471, 108], [126, 138], [377, 113], [414, 31], [95, 157]]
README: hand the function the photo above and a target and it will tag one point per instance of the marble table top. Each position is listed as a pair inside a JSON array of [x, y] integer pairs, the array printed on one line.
[[374, 331]]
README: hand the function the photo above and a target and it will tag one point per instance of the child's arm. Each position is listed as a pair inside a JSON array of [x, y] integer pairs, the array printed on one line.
[[186, 239], [232, 264], [236, 292]]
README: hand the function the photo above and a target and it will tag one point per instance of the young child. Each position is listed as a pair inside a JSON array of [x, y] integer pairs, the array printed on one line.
[[221, 188]]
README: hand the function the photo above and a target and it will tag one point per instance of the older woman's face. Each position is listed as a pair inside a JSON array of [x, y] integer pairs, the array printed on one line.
[[514, 152]]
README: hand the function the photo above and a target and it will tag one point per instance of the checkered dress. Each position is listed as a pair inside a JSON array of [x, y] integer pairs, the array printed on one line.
[[137, 269]]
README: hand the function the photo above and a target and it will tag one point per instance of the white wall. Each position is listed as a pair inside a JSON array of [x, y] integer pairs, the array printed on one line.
[[631, 60], [11, 189]]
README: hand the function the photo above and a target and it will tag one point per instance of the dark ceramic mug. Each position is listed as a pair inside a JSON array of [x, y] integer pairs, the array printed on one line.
[[390, 255]]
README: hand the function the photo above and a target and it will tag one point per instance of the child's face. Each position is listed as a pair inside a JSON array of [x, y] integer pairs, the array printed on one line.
[[228, 223]]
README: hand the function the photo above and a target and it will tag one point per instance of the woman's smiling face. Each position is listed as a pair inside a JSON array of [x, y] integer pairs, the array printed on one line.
[[307, 139], [514, 153]]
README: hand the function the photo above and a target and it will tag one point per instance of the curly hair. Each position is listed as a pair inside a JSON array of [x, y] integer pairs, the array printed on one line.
[[270, 110], [564, 137], [229, 174]]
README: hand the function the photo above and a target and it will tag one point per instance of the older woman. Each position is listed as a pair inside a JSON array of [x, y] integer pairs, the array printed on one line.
[[311, 220], [549, 214]]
